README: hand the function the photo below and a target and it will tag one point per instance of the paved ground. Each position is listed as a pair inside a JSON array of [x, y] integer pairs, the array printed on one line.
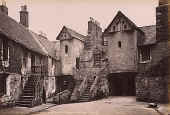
[[24, 110], [111, 106]]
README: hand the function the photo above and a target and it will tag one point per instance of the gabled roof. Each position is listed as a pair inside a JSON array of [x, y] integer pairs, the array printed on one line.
[[18, 33], [48, 46], [72, 33], [118, 15], [149, 34]]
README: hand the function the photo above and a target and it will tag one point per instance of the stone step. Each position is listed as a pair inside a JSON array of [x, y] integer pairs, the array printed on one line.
[[28, 91], [23, 105], [30, 97], [24, 102], [27, 94]]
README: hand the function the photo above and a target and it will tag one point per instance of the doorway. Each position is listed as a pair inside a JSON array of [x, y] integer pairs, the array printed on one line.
[[122, 84]]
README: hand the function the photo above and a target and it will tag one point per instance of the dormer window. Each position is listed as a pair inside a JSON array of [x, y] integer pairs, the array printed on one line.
[[66, 49]]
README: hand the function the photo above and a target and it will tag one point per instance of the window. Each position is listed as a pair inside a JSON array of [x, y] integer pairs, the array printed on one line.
[[123, 22], [105, 42], [2, 85], [114, 28], [125, 26], [4, 51], [78, 63], [97, 59], [119, 44], [66, 49], [145, 55]]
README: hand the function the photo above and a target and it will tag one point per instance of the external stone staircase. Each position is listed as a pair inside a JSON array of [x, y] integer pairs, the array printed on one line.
[[29, 95], [86, 94]]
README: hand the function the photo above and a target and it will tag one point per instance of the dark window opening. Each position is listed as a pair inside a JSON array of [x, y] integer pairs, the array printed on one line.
[[125, 26], [119, 44], [77, 63], [32, 60], [5, 50], [123, 22], [145, 54], [114, 28], [97, 59], [117, 23], [25, 60], [66, 49], [2, 86]]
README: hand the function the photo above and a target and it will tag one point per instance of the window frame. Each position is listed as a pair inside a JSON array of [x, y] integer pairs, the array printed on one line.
[[66, 49], [119, 44], [149, 57], [78, 63]]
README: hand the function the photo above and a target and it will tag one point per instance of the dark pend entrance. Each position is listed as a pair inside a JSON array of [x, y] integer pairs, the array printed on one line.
[[65, 82], [122, 84]]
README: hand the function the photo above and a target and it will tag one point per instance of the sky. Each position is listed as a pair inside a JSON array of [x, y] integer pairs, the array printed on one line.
[[49, 16]]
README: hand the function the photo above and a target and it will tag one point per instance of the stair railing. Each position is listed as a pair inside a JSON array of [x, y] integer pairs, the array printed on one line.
[[38, 84]]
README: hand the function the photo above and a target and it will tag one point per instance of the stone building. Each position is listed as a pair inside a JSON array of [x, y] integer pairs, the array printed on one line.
[[122, 60], [71, 46], [125, 60], [29, 62]]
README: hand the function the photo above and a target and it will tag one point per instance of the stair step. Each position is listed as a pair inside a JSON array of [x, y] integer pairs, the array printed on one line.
[[27, 96], [24, 102], [26, 99], [23, 105], [28, 93], [28, 89]]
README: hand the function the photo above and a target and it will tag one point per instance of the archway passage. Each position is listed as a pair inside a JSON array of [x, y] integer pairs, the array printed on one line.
[[122, 84]]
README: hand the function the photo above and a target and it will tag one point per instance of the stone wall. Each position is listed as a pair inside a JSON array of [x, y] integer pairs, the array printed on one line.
[[152, 80], [13, 88], [122, 58], [68, 61]]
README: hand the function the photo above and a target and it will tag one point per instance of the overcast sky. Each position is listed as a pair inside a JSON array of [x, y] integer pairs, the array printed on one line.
[[49, 16]]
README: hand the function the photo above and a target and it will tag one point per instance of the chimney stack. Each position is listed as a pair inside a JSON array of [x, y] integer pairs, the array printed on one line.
[[24, 16], [162, 20], [3, 8]]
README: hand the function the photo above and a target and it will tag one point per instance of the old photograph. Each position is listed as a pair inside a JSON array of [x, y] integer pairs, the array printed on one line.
[[84, 57]]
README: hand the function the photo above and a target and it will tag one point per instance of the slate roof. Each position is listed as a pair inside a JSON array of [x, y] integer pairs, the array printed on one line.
[[149, 34], [73, 34], [18, 33]]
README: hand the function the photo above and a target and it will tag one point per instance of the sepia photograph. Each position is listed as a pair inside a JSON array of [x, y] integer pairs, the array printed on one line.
[[84, 57]]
